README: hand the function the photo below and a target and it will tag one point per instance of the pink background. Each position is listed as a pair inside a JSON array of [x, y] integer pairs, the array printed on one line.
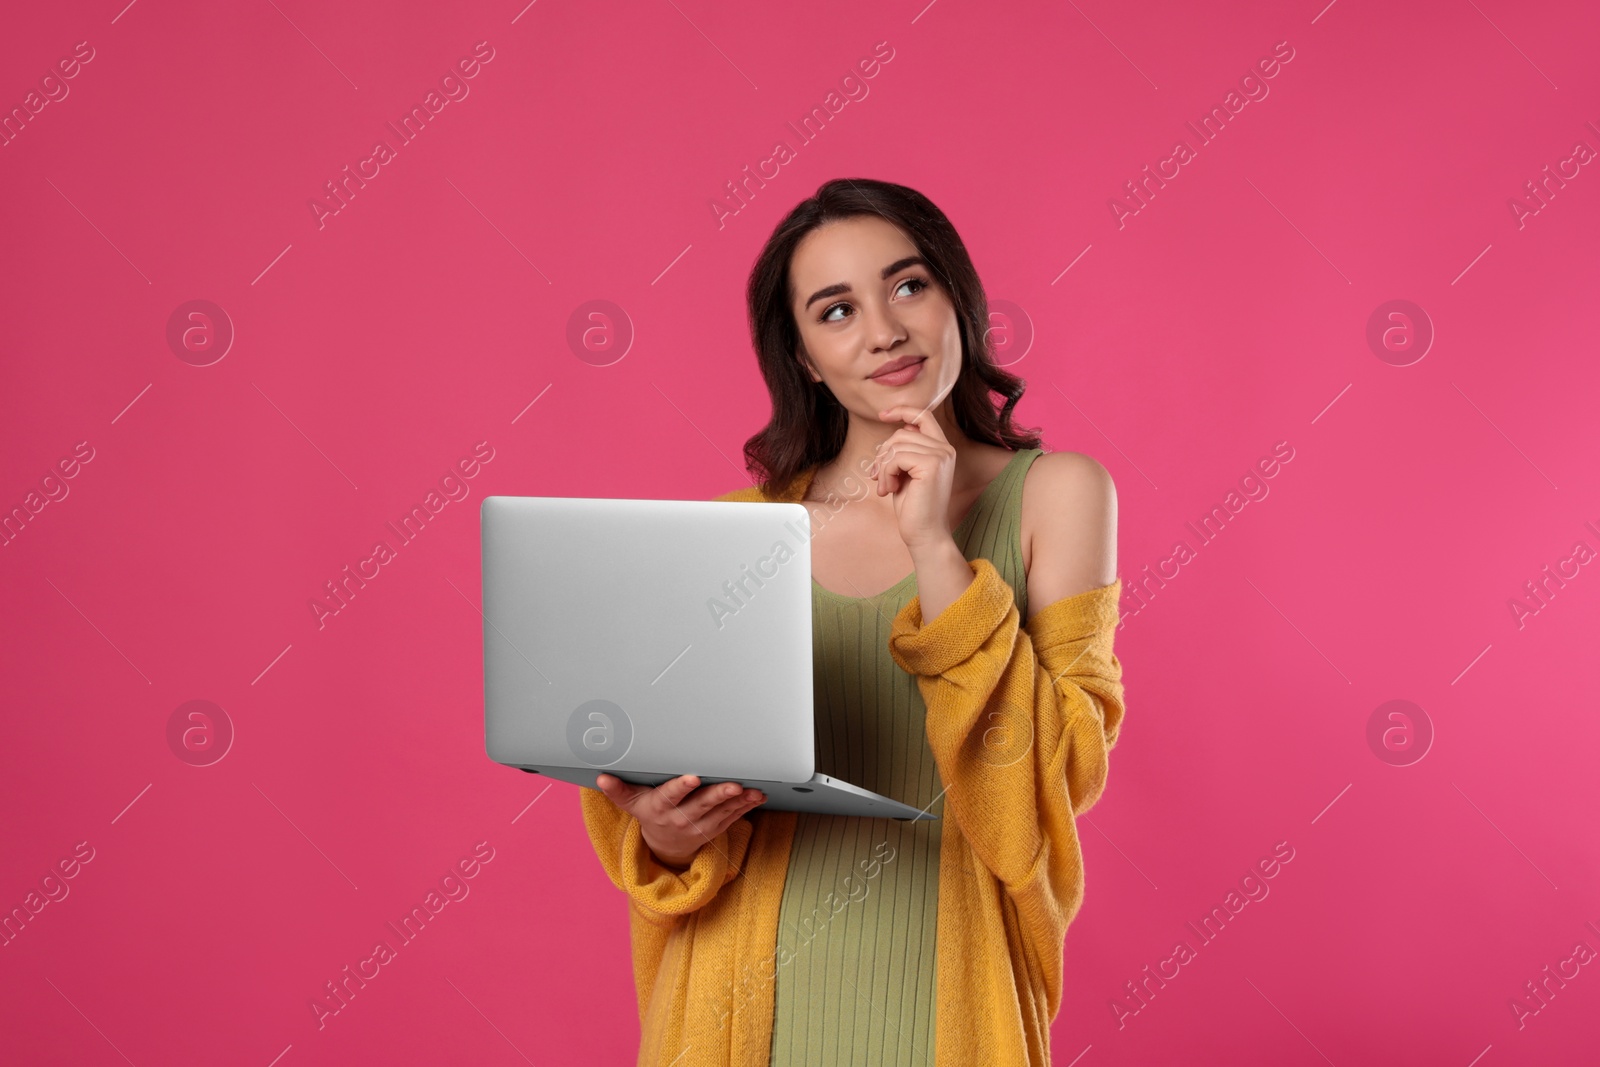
[[372, 353]]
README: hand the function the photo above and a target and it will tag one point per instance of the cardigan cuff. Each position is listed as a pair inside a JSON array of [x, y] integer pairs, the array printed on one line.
[[665, 891], [959, 631]]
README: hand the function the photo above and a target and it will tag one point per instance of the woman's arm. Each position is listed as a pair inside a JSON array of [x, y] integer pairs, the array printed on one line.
[[1021, 717], [1020, 721], [1048, 687], [1069, 514]]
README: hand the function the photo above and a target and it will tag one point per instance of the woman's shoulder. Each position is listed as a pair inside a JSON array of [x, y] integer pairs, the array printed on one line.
[[748, 493], [1070, 472], [1060, 485], [1069, 520]]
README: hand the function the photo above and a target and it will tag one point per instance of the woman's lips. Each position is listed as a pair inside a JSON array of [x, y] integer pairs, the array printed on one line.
[[903, 375]]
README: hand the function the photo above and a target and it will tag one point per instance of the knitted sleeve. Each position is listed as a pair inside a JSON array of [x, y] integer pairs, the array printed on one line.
[[661, 893], [1020, 721]]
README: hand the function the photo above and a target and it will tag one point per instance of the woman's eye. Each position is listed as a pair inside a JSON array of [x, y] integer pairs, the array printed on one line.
[[837, 312]]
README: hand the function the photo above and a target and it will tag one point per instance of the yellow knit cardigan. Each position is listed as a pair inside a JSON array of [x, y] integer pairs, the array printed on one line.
[[1010, 870]]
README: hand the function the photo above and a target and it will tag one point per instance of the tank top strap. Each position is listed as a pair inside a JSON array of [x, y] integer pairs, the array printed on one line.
[[995, 530]]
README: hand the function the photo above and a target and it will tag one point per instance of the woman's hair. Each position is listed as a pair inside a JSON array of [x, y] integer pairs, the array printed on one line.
[[808, 424]]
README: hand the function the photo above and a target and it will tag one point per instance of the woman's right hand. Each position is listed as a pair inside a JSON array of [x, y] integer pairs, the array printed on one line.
[[680, 815]]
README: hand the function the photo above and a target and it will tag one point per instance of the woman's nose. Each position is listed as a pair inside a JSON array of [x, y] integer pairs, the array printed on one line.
[[883, 327]]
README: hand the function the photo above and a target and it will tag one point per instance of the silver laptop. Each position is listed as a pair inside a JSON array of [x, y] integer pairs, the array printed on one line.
[[653, 638]]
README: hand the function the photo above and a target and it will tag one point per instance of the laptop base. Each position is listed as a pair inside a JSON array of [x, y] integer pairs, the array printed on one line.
[[822, 795]]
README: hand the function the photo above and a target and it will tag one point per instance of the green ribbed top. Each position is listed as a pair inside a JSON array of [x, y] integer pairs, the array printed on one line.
[[855, 979]]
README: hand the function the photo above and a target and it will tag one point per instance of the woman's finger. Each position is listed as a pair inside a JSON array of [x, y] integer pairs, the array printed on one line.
[[725, 815], [895, 460], [672, 791], [907, 445], [622, 794], [709, 797], [912, 415], [904, 456], [903, 441]]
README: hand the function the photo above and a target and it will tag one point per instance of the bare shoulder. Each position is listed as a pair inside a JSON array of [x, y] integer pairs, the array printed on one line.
[[1075, 475], [1069, 526]]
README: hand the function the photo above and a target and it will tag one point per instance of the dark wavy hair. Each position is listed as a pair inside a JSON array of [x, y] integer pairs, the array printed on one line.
[[808, 424]]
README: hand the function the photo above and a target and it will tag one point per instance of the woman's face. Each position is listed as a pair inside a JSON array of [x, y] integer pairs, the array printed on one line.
[[864, 299]]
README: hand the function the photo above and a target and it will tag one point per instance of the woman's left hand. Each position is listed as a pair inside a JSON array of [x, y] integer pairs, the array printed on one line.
[[916, 468]]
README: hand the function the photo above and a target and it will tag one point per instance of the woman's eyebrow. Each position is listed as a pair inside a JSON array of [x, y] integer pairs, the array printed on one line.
[[844, 287]]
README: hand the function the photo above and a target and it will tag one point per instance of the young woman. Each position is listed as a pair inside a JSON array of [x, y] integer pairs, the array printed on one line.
[[965, 597]]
